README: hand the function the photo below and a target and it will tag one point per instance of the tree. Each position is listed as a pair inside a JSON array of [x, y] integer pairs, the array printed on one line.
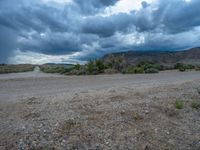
[[90, 67], [77, 66], [100, 66]]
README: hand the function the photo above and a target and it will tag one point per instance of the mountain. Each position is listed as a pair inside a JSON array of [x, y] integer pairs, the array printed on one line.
[[191, 56]]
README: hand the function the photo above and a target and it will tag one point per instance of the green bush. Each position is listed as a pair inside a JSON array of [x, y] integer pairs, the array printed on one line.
[[198, 90], [197, 68], [90, 67], [195, 105], [182, 69], [100, 66], [95, 67], [179, 104], [189, 66], [139, 70], [15, 68], [115, 62], [77, 66], [55, 69], [134, 70], [82, 71], [150, 67], [151, 70], [178, 65], [130, 70]]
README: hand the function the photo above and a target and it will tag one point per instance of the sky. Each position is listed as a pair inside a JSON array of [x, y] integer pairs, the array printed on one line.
[[75, 31]]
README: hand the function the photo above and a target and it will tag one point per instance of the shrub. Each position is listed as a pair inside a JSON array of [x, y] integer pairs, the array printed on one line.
[[198, 90], [115, 62], [151, 70], [91, 67], [130, 70], [134, 70], [100, 66], [51, 69], [77, 66], [150, 67], [189, 66], [110, 71], [195, 105], [182, 69], [139, 70], [144, 63], [178, 65], [197, 68], [62, 69], [15, 68], [179, 104]]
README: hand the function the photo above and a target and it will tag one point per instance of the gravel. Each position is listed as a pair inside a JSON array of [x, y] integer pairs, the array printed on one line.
[[50, 111]]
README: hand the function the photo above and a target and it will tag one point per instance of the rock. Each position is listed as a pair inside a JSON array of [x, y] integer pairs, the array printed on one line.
[[146, 111], [21, 144], [23, 127]]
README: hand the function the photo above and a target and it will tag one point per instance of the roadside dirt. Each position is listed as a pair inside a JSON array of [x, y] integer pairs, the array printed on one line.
[[45, 111]]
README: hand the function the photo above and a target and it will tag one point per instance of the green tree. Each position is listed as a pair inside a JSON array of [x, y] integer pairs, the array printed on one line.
[[90, 67], [100, 66], [77, 66]]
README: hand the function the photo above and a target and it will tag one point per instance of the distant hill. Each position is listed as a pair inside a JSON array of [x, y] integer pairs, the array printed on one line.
[[191, 56]]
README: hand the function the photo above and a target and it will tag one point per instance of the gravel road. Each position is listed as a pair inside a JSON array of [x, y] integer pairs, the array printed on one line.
[[39, 84], [51, 111]]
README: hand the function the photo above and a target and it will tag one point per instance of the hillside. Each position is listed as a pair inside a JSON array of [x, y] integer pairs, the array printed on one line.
[[191, 56]]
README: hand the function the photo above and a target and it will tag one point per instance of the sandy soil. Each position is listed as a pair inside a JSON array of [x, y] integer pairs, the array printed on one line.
[[45, 111]]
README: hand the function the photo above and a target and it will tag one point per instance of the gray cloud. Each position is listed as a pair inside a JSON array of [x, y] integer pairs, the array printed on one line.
[[58, 29], [93, 6]]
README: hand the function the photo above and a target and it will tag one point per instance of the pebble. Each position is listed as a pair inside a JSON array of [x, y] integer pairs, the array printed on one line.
[[146, 111], [156, 130], [63, 141], [21, 144], [23, 127]]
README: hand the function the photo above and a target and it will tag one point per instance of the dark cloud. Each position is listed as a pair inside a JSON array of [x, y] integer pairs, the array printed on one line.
[[107, 26], [178, 16], [7, 43], [93, 6], [51, 28]]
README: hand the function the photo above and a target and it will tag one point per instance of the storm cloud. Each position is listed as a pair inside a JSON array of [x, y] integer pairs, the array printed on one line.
[[79, 30]]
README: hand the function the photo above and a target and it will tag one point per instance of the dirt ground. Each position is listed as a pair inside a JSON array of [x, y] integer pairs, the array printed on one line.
[[136, 112]]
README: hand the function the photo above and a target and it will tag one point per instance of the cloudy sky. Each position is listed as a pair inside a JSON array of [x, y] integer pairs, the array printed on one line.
[[70, 31]]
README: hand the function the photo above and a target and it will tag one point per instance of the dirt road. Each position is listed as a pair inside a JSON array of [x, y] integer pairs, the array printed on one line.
[[39, 84], [49, 111]]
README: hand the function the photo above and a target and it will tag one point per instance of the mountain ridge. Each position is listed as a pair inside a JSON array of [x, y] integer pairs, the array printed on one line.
[[190, 56]]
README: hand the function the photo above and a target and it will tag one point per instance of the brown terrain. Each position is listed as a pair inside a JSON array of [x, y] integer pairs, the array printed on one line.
[[190, 56], [136, 112]]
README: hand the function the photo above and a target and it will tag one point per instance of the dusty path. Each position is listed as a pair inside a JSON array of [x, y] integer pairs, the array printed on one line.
[[39, 84], [50, 111]]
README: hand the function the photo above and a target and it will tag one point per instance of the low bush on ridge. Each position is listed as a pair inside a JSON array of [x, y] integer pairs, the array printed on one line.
[[15, 68], [183, 67], [113, 64], [109, 66], [62, 69], [151, 70], [133, 70]]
